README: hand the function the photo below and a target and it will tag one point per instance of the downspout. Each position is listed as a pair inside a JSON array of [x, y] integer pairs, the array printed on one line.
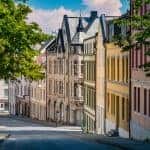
[[46, 86], [130, 68], [96, 47]]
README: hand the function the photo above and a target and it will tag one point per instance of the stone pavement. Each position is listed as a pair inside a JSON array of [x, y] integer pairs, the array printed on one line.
[[27, 123]]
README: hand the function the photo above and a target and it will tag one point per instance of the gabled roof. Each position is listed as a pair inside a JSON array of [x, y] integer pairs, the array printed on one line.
[[76, 28], [60, 37], [52, 46]]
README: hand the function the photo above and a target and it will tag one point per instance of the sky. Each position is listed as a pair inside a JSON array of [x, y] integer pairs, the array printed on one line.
[[49, 13]]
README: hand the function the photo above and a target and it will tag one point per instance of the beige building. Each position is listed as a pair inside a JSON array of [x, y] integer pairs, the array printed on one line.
[[56, 84], [117, 84], [64, 78], [4, 106], [94, 79], [90, 84], [65, 69], [38, 100]]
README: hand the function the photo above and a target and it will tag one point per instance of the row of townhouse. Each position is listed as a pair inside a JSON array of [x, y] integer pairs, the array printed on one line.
[[106, 79], [89, 81], [28, 98], [106, 84]]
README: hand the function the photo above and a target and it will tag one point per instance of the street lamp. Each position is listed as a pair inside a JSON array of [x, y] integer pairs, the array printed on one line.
[[57, 116]]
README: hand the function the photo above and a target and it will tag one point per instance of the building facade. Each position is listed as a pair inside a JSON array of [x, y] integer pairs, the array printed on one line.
[[57, 82], [67, 70], [94, 78], [3, 96], [12, 96], [38, 99], [140, 88], [117, 84], [90, 84], [65, 73], [28, 98], [22, 97]]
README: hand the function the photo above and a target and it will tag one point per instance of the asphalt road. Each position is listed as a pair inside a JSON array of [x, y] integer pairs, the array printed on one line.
[[26, 135]]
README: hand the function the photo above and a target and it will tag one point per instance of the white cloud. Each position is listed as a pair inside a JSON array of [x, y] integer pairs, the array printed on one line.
[[50, 20], [109, 7]]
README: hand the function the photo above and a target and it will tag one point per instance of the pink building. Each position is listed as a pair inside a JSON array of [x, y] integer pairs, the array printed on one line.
[[140, 90]]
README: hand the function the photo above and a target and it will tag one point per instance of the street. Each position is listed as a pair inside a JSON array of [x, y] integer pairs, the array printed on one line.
[[26, 135]]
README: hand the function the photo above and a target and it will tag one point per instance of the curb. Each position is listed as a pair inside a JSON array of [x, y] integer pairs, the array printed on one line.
[[122, 144], [114, 144]]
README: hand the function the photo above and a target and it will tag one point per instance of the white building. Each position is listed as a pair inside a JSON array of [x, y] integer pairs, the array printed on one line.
[[3, 96]]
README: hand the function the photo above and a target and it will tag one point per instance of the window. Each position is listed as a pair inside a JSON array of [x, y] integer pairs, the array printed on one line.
[[50, 66], [50, 86], [2, 105], [5, 92], [61, 87], [127, 69], [134, 98], [149, 103], [108, 68], [136, 57], [113, 104], [123, 68], [118, 69], [75, 89], [138, 99], [82, 67], [133, 52], [75, 67], [141, 55], [108, 102], [145, 101], [123, 108], [6, 81]]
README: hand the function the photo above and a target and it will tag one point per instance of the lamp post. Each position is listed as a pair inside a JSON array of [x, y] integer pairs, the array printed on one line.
[[57, 116]]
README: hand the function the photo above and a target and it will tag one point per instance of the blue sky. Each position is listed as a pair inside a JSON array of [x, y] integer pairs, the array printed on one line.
[[45, 12], [68, 4]]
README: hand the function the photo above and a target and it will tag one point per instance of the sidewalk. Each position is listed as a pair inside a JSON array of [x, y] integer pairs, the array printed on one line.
[[3, 137], [47, 123], [119, 142], [40, 122]]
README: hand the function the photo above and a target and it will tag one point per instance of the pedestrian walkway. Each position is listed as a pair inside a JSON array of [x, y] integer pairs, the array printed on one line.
[[15, 123], [3, 137]]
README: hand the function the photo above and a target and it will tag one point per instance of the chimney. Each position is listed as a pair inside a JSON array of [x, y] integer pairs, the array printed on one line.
[[94, 14]]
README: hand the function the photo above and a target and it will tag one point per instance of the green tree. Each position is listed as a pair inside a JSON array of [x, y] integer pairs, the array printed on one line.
[[139, 30], [17, 41]]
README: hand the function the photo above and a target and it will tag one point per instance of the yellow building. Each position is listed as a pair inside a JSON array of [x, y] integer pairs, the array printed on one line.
[[117, 90]]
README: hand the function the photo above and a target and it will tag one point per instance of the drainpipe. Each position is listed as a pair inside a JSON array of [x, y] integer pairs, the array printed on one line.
[[83, 119], [46, 86], [96, 48], [130, 68]]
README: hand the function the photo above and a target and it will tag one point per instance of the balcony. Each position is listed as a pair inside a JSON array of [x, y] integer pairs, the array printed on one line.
[[78, 101]]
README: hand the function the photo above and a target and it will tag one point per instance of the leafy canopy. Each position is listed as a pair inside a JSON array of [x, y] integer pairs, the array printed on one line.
[[139, 33], [17, 40]]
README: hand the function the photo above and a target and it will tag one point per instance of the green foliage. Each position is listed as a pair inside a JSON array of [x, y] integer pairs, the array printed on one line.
[[17, 38], [139, 30]]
